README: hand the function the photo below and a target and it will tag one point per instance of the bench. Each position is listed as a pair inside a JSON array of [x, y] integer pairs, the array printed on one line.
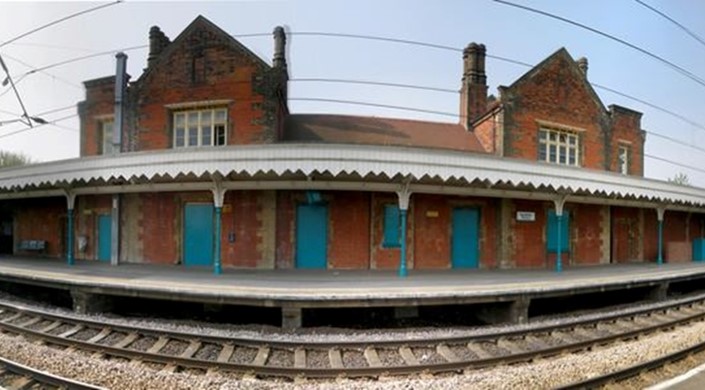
[[33, 245]]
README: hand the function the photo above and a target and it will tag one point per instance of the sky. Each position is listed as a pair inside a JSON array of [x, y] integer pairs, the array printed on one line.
[[506, 31]]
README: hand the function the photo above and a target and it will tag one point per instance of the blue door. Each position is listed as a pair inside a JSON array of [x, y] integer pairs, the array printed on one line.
[[104, 236], [198, 234], [464, 246], [551, 232], [311, 235]]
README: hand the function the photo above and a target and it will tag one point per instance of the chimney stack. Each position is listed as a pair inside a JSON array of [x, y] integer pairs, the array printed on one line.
[[583, 65], [279, 60], [473, 93], [157, 42]]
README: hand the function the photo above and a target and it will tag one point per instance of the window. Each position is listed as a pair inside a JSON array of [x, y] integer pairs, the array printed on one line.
[[559, 147], [551, 232], [200, 127], [623, 160], [106, 132], [391, 226]]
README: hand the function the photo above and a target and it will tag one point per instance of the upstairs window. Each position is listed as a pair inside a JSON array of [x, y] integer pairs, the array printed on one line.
[[559, 147], [200, 127], [623, 160], [106, 133]]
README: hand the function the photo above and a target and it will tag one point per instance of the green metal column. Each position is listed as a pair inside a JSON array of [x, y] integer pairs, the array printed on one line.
[[559, 263], [216, 258], [402, 261], [69, 238], [660, 242]]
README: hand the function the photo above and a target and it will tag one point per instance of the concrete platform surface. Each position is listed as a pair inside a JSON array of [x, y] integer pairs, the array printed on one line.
[[325, 286]]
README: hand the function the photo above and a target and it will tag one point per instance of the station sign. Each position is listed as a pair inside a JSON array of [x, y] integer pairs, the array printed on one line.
[[526, 216]]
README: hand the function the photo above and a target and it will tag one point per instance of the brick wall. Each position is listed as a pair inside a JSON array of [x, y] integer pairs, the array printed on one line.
[[527, 239], [161, 227], [88, 209], [626, 131], [349, 230], [99, 104], [388, 258], [586, 233], [556, 92], [627, 240], [41, 219]]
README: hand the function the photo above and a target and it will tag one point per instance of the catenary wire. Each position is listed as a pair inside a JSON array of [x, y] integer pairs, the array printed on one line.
[[65, 18], [39, 125], [658, 58], [670, 19]]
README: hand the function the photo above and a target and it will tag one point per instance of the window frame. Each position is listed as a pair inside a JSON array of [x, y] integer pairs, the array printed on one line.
[[555, 145], [216, 119], [623, 164], [105, 136]]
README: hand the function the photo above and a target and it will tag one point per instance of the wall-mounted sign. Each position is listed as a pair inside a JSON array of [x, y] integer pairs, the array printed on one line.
[[432, 214], [526, 216]]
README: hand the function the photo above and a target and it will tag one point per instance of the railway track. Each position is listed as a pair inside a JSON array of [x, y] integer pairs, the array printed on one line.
[[14, 375], [176, 351]]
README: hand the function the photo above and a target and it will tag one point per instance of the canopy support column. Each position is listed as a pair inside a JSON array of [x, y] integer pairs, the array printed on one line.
[[559, 203], [70, 202], [660, 211], [218, 198], [404, 194]]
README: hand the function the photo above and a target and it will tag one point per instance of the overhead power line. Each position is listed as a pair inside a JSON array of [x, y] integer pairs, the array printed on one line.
[[17, 94], [65, 18], [674, 163], [54, 121], [670, 19], [658, 58]]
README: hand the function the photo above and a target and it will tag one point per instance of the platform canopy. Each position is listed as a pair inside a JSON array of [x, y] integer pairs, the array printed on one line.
[[342, 167]]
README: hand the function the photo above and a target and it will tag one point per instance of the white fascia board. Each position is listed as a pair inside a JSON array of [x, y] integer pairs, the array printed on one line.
[[310, 159]]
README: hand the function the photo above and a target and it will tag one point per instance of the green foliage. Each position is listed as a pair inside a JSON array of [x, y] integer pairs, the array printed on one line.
[[680, 178], [10, 159]]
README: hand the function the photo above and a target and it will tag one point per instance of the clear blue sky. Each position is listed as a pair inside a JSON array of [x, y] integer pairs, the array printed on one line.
[[506, 31]]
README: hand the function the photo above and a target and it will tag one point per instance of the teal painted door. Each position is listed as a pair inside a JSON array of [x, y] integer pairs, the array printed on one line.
[[551, 232], [104, 237], [464, 245], [311, 235], [198, 234]]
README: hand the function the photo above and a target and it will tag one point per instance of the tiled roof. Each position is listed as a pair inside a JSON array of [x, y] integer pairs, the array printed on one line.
[[346, 129]]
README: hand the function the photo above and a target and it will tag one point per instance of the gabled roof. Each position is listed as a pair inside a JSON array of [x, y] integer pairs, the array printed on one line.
[[558, 55], [202, 22], [347, 129]]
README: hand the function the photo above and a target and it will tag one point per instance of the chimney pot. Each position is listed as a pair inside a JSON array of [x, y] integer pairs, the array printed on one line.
[[279, 60], [583, 65], [473, 94]]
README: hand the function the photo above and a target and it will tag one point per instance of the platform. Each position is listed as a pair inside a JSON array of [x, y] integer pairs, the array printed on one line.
[[293, 290]]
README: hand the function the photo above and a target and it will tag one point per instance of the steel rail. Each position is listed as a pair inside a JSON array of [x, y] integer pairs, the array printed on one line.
[[290, 372], [44, 377], [636, 369], [323, 344]]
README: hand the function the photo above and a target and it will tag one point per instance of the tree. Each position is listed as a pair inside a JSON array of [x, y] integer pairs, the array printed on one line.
[[680, 178], [10, 159]]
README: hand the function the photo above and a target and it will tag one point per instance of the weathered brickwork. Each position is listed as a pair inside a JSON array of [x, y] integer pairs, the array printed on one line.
[[88, 210], [349, 230], [41, 219], [98, 106], [202, 68], [205, 68]]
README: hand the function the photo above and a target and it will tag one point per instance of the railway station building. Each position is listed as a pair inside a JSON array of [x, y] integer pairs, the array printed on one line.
[[199, 162]]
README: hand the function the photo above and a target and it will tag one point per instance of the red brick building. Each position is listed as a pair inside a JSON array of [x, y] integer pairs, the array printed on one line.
[[211, 169]]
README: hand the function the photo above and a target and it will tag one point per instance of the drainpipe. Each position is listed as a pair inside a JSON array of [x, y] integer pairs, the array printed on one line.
[[120, 86], [404, 194], [660, 211]]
